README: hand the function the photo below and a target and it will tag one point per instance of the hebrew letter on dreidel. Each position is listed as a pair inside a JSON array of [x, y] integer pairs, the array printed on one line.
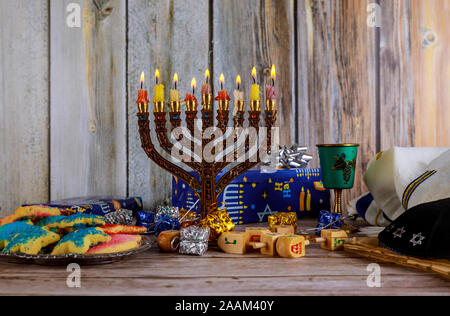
[[233, 242]]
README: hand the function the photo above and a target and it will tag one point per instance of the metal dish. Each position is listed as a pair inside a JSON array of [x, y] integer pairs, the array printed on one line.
[[48, 260]]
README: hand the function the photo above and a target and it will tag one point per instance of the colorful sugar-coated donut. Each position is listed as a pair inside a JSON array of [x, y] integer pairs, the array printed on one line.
[[30, 212], [8, 231], [31, 240], [112, 229], [79, 241], [71, 221], [118, 243]]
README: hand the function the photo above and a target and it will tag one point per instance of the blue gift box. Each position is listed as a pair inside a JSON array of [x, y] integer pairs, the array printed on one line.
[[97, 205], [253, 196]]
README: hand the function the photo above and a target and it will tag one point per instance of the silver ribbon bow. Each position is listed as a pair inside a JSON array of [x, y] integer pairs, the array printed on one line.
[[294, 157]]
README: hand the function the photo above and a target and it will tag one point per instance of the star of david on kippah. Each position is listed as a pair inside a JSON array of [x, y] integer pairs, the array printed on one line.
[[399, 232], [417, 239], [390, 228]]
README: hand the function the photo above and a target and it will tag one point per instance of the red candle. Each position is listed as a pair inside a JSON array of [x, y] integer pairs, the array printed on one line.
[[223, 94], [206, 87], [191, 97], [142, 94]]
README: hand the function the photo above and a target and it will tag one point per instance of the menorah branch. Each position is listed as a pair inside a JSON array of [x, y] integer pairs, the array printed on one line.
[[227, 178], [166, 144], [152, 153]]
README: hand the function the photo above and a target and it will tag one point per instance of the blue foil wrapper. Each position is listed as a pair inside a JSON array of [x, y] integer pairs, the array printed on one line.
[[165, 222], [145, 219], [325, 219]]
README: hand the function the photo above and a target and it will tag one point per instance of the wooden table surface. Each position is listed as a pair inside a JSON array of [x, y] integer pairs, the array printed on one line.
[[154, 273]]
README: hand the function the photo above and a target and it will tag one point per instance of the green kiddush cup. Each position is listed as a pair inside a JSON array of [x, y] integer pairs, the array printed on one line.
[[338, 164]]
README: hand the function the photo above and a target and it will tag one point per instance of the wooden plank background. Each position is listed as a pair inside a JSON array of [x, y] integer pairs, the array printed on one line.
[[88, 120], [68, 113], [172, 36], [336, 82], [258, 33], [24, 103]]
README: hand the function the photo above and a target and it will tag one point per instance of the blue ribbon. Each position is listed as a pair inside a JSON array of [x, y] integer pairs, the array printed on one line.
[[166, 222]]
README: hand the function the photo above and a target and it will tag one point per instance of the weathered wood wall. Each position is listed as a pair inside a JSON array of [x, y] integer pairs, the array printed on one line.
[[24, 103], [88, 100], [258, 33], [68, 113], [430, 34], [337, 74], [172, 36]]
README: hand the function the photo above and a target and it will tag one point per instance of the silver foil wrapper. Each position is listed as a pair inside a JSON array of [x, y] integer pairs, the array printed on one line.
[[194, 240], [195, 234], [193, 248], [294, 157], [120, 217], [171, 211]]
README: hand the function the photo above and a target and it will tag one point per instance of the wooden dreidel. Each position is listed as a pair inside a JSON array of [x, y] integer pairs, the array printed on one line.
[[284, 229], [234, 242], [169, 241], [255, 233], [292, 246], [267, 243], [332, 239]]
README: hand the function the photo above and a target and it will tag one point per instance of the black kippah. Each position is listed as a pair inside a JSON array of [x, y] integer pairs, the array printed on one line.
[[423, 231]]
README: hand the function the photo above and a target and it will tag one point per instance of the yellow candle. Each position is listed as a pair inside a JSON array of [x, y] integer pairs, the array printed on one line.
[[308, 201], [255, 94], [175, 94], [302, 200], [159, 89]]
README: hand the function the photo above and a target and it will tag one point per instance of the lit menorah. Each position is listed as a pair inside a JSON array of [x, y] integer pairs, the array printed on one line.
[[205, 181]]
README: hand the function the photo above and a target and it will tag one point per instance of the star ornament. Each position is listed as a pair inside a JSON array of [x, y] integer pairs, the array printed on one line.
[[399, 232], [417, 239]]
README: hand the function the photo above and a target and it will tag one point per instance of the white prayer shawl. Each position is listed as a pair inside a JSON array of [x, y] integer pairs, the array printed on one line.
[[400, 179]]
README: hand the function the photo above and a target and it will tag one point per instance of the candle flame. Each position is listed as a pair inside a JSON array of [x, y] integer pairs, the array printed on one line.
[[238, 80], [254, 73], [193, 83], [273, 73], [222, 79], [142, 77], [207, 74], [175, 78], [157, 74]]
